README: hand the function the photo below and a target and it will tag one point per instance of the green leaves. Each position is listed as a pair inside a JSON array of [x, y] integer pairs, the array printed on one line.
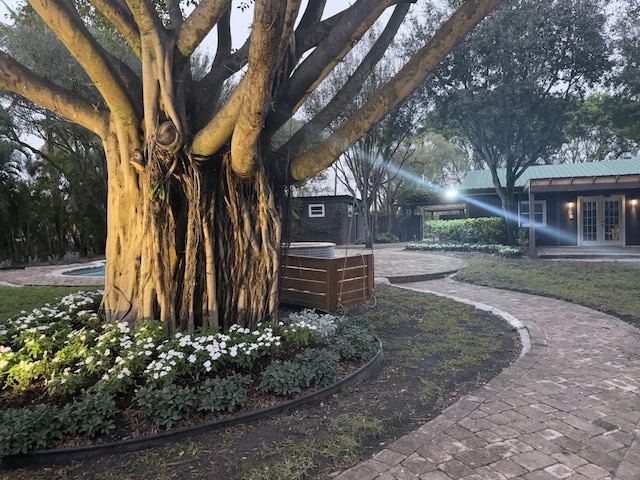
[[485, 231], [314, 366], [166, 406], [24, 429], [223, 395]]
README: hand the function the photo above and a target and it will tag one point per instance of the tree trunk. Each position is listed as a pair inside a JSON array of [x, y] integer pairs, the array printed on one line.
[[187, 241]]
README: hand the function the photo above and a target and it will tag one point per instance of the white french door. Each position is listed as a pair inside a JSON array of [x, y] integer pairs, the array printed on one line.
[[601, 220]]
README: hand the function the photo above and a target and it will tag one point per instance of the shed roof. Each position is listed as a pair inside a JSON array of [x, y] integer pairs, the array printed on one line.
[[481, 179]]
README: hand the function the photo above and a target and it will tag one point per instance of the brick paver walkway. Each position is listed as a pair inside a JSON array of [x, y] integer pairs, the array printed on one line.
[[569, 408]]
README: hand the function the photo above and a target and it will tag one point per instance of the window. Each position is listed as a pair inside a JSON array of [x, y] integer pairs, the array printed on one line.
[[539, 213], [349, 211], [316, 210]]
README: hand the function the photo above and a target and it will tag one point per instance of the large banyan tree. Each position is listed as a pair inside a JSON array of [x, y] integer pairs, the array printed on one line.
[[193, 174]]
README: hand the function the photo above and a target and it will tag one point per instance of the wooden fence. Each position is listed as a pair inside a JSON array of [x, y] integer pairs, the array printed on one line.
[[326, 283]]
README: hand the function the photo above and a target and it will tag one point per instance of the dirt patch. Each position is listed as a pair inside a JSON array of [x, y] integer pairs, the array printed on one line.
[[435, 351]]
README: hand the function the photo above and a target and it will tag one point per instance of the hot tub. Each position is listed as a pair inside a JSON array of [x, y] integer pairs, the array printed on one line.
[[310, 249]]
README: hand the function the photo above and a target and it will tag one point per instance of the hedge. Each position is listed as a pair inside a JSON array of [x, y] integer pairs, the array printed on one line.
[[487, 231]]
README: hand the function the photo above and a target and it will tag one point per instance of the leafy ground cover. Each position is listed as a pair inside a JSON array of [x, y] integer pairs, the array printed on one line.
[[67, 376], [435, 351], [608, 286]]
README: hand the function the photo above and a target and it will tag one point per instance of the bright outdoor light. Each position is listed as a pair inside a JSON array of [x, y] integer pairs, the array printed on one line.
[[451, 194]]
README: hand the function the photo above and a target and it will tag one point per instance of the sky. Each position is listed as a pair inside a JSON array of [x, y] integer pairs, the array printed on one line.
[[241, 21]]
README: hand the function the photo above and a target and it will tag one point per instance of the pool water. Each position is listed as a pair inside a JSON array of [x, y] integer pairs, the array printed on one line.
[[86, 272]]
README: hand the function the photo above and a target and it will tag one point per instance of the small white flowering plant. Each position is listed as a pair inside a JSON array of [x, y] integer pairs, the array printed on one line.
[[65, 353], [323, 324]]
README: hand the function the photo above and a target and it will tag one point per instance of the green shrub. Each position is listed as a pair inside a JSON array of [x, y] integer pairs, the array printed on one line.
[[490, 230], [167, 405], [324, 365], [297, 336], [314, 366], [282, 378], [354, 341], [22, 429], [222, 395], [91, 414], [387, 237]]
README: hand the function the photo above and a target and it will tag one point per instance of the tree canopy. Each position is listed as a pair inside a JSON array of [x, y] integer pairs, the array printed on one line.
[[507, 86]]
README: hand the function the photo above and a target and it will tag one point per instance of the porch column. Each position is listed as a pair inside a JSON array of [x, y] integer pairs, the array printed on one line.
[[533, 253]]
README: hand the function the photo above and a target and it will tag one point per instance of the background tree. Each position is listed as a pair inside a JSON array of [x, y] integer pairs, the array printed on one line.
[[193, 229], [372, 162], [625, 115], [597, 129], [64, 159], [435, 165], [508, 86]]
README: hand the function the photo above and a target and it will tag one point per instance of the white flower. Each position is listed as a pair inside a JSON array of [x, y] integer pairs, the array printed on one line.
[[88, 360], [207, 365], [192, 358]]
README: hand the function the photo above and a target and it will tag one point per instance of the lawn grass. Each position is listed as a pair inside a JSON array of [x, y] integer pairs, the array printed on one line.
[[15, 300], [612, 287]]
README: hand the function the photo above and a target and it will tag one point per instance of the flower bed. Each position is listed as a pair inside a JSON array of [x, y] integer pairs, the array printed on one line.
[[503, 250], [66, 376]]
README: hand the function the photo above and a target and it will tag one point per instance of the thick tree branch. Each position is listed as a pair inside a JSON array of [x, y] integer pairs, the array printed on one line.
[[120, 17], [264, 56], [312, 14], [394, 92], [303, 137], [175, 14], [18, 79], [91, 56], [209, 90], [196, 27], [157, 63], [220, 129], [354, 23], [224, 37]]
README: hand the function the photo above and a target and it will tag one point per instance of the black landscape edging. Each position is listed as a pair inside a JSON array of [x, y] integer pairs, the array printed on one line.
[[42, 458], [420, 277]]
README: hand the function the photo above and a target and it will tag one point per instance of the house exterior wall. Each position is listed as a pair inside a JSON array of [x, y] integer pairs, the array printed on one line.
[[483, 205], [336, 225], [560, 229]]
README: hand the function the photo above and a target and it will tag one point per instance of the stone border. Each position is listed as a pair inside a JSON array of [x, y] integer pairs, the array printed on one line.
[[42, 458], [523, 331]]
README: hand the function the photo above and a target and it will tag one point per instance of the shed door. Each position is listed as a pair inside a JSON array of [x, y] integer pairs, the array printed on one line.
[[601, 220]]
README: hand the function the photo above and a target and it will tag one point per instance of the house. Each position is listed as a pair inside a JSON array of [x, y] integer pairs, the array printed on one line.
[[329, 218], [580, 205]]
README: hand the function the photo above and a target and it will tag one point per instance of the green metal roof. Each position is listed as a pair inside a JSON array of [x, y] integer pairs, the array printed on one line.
[[481, 179]]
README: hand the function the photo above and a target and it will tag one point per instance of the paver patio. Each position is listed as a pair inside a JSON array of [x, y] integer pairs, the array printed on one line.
[[569, 408]]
